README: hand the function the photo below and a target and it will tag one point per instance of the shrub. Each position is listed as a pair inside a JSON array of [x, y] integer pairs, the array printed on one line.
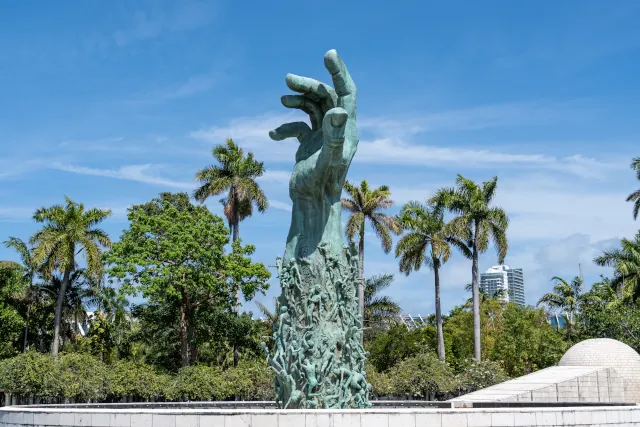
[[28, 374], [380, 382], [476, 375], [78, 376], [251, 380], [422, 377], [129, 379], [199, 383]]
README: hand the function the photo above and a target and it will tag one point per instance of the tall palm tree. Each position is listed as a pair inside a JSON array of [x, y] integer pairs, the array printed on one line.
[[29, 269], [428, 242], [625, 261], [565, 299], [68, 230], [477, 221], [635, 196], [367, 204], [379, 310], [236, 175]]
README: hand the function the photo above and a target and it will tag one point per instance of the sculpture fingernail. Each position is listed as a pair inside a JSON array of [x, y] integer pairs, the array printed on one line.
[[338, 120]]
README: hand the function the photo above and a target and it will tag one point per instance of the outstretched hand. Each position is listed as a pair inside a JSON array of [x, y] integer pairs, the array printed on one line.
[[327, 147]]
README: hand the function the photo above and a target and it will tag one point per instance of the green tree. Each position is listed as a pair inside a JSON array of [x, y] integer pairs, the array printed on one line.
[[616, 321], [236, 175], [398, 343], [625, 261], [428, 242], [367, 204], [565, 299], [67, 231], [12, 291], [29, 269], [635, 196], [477, 222], [174, 254], [379, 311], [525, 342]]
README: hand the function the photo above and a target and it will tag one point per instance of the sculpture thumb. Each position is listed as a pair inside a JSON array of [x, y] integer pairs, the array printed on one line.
[[333, 126]]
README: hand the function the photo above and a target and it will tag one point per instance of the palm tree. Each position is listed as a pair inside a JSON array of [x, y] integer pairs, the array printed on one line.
[[29, 268], [366, 204], [428, 242], [626, 263], [565, 299], [68, 230], [236, 175], [268, 314], [601, 294], [81, 292], [477, 222], [378, 310], [635, 196]]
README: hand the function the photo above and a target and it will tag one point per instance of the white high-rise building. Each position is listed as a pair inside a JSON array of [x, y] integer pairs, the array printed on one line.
[[507, 281]]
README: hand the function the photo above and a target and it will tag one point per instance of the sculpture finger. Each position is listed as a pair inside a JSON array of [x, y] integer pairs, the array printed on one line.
[[288, 130], [342, 81], [315, 89], [306, 104]]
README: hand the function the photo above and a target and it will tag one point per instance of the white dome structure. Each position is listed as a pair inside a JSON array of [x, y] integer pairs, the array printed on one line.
[[612, 354]]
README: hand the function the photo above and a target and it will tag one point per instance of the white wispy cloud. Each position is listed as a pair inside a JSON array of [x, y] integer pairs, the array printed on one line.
[[393, 141], [275, 176], [275, 204], [191, 86], [15, 213], [137, 173], [478, 117], [153, 22]]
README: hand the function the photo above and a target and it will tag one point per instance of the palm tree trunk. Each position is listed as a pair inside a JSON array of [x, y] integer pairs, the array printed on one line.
[[26, 326], [436, 276], [477, 349], [361, 281], [236, 305], [57, 318]]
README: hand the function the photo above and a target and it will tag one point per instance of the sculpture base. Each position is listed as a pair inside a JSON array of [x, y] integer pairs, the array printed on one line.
[[318, 356]]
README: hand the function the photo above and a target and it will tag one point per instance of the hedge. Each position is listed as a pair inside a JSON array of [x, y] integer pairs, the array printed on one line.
[[80, 377]]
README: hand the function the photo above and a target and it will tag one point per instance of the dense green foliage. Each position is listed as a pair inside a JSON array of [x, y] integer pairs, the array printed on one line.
[[174, 255], [183, 341]]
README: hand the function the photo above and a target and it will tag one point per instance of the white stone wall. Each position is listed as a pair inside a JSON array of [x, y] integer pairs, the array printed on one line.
[[503, 417]]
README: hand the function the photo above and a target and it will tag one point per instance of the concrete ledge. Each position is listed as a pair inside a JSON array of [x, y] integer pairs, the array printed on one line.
[[380, 417]]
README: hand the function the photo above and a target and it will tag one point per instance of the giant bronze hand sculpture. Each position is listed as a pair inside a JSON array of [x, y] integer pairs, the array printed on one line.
[[323, 157], [318, 358]]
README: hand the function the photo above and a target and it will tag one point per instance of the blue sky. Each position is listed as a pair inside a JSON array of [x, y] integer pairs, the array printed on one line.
[[113, 102]]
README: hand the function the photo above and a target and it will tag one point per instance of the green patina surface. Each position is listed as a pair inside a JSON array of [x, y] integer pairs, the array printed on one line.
[[318, 357]]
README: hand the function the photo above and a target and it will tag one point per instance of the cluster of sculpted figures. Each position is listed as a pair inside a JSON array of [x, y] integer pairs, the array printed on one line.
[[318, 358]]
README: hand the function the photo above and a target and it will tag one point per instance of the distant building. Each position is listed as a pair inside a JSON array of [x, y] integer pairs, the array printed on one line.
[[412, 322], [557, 321], [505, 281]]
